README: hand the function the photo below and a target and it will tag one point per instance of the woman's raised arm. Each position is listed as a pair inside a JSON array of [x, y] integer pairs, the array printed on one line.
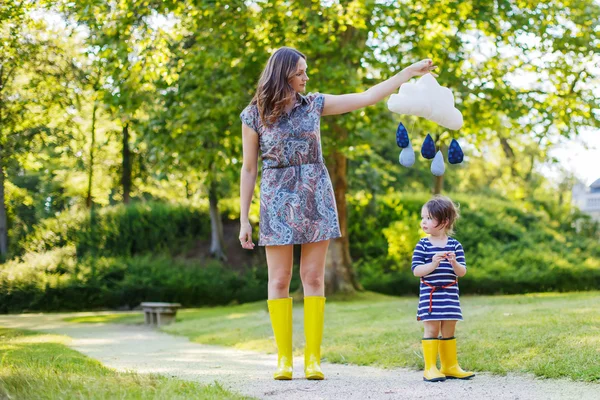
[[340, 104]]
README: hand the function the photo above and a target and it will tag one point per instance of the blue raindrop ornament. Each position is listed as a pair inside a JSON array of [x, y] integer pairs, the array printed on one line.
[[428, 148], [455, 153], [402, 139]]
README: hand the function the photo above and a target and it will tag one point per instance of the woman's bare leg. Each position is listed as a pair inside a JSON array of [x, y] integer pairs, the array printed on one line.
[[312, 267], [280, 261]]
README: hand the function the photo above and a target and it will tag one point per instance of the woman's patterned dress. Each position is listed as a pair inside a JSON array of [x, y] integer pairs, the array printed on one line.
[[297, 204]]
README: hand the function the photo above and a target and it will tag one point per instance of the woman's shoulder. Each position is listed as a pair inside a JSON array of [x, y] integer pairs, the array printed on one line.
[[250, 116], [316, 101], [312, 96], [250, 108]]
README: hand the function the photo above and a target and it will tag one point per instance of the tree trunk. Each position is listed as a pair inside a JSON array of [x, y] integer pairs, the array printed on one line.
[[3, 221], [188, 191], [126, 177], [339, 275], [510, 154], [88, 200], [217, 242]]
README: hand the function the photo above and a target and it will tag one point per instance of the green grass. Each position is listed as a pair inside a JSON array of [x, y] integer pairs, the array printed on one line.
[[551, 335], [41, 366]]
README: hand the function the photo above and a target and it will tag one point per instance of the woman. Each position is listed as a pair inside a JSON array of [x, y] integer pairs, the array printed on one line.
[[297, 204]]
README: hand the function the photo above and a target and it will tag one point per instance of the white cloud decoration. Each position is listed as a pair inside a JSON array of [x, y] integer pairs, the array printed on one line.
[[427, 99]]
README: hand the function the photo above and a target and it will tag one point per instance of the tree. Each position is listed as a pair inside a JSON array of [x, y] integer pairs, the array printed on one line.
[[35, 76], [125, 41], [197, 127]]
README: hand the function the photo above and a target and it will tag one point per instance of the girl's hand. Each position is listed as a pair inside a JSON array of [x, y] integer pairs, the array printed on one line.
[[438, 257], [421, 68], [452, 259], [246, 236], [451, 256]]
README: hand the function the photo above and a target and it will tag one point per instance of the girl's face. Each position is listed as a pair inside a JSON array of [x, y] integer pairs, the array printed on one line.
[[299, 79], [430, 225]]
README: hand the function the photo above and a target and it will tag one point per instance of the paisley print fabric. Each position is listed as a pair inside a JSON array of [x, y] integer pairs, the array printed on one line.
[[297, 204]]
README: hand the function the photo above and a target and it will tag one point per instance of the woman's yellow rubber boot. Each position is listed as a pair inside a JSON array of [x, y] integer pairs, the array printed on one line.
[[449, 360], [430, 352], [280, 311], [314, 309]]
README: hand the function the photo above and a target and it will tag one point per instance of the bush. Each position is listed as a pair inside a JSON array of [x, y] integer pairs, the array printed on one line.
[[121, 230], [55, 280], [510, 247]]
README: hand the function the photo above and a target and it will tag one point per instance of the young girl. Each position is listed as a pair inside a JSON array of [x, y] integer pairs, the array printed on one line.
[[439, 260]]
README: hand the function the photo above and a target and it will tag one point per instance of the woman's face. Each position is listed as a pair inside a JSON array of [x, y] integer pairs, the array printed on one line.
[[299, 79]]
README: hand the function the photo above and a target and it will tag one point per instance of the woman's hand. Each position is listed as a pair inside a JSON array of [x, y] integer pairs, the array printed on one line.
[[246, 236], [421, 68]]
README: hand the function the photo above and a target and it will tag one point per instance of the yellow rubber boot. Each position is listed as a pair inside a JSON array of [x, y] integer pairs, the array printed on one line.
[[314, 309], [430, 351], [449, 360], [280, 311]]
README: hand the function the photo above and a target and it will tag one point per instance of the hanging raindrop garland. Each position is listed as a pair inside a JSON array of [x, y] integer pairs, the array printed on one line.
[[427, 99], [428, 151]]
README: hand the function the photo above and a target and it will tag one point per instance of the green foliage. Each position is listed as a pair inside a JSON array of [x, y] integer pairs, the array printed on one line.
[[177, 74], [53, 233], [121, 230], [510, 247], [142, 228], [36, 68], [56, 280]]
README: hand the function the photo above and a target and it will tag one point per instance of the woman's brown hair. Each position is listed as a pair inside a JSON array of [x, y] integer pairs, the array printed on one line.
[[444, 211], [274, 90]]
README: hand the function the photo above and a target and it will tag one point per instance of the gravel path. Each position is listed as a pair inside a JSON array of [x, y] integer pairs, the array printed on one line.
[[145, 350]]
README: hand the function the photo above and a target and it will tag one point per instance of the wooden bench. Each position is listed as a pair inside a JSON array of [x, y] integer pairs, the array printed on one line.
[[158, 314]]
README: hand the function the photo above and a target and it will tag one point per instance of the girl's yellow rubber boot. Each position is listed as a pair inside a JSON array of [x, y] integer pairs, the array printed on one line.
[[430, 352], [449, 360]]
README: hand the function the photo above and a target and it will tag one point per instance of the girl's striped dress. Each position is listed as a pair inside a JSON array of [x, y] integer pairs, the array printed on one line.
[[443, 304]]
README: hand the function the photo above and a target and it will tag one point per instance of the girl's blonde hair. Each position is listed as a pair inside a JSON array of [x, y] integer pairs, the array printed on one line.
[[444, 211]]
